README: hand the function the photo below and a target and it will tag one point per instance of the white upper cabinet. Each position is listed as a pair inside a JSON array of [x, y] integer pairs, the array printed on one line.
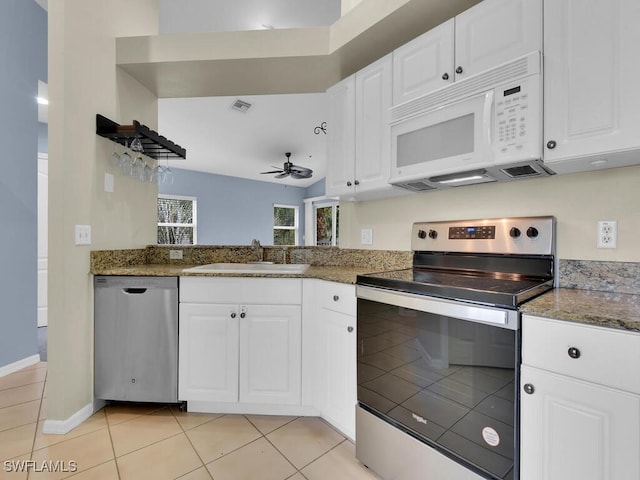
[[487, 35], [373, 133], [591, 78], [341, 137], [359, 143], [424, 64], [494, 32]]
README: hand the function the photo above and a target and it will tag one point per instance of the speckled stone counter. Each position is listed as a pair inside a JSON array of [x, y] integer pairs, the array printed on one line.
[[327, 263], [321, 272], [604, 309]]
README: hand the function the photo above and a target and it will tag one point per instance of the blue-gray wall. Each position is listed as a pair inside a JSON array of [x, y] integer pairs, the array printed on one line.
[[317, 189], [43, 138], [233, 211], [23, 61]]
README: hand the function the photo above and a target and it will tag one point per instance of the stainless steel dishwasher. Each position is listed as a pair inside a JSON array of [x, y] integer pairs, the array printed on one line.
[[136, 338]]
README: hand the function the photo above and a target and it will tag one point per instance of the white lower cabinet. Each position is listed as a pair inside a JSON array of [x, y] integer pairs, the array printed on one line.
[[208, 353], [334, 314], [240, 343], [580, 417]]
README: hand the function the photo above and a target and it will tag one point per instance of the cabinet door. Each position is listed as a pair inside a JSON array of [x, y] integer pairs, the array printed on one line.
[[424, 64], [208, 366], [373, 133], [591, 78], [576, 429], [494, 32], [341, 138], [270, 354], [339, 399]]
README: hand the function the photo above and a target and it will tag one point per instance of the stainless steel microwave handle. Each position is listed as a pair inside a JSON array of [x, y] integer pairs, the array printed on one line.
[[422, 303]]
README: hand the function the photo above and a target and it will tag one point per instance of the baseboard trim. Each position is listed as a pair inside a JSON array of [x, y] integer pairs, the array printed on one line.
[[19, 365], [60, 427]]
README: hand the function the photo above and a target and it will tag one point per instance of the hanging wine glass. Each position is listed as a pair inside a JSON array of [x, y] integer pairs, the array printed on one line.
[[137, 168], [167, 174], [125, 160], [115, 157], [148, 172]]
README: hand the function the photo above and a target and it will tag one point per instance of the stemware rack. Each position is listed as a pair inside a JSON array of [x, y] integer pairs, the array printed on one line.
[[154, 145]]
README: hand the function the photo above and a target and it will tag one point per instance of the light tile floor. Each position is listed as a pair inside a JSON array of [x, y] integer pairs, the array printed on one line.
[[126, 441]]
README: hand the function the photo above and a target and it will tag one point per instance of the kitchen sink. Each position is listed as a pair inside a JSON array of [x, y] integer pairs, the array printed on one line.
[[261, 267]]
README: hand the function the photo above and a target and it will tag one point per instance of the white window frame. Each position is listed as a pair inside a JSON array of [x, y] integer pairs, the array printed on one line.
[[296, 221], [194, 225], [311, 206]]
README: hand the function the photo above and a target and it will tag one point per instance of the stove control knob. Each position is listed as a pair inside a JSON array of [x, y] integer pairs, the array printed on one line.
[[532, 232], [422, 234], [433, 234], [514, 232]]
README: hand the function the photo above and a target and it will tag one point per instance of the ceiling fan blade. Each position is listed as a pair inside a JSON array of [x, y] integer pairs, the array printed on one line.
[[274, 171], [302, 170], [282, 175], [301, 175]]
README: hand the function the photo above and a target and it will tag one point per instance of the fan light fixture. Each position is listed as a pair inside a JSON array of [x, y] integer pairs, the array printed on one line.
[[289, 169]]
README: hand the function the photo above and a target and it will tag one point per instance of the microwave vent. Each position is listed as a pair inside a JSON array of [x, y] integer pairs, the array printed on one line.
[[488, 80], [521, 171], [418, 186]]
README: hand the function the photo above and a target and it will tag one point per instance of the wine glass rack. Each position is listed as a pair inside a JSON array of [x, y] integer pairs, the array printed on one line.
[[154, 145]]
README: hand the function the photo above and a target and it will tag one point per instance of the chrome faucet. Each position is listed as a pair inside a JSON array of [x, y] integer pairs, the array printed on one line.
[[257, 249]]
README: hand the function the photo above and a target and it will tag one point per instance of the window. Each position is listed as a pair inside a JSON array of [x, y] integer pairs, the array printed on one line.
[[176, 220], [327, 216], [285, 225]]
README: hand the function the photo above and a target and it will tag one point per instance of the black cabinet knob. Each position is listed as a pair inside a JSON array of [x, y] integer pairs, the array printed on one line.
[[574, 352], [233, 315], [514, 232], [445, 76], [336, 298], [551, 144], [459, 70], [422, 234], [349, 329], [528, 388], [242, 315], [532, 232], [348, 184], [433, 234], [356, 182]]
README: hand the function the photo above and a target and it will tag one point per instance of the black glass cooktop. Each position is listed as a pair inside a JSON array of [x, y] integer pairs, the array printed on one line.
[[490, 288]]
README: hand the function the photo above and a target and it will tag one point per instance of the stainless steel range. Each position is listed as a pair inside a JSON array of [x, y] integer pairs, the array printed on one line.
[[439, 349]]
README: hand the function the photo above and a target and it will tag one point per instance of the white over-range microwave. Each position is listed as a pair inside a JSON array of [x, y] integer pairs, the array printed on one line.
[[482, 129]]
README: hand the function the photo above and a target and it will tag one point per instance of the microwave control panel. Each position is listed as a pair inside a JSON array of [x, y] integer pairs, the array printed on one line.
[[517, 115]]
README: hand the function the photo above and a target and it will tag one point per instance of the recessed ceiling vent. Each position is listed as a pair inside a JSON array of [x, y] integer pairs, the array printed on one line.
[[241, 105]]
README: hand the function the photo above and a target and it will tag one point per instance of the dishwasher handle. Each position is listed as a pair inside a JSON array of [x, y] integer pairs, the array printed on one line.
[[134, 291]]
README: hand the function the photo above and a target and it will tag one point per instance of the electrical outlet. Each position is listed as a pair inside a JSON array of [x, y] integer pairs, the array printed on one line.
[[607, 234], [175, 254]]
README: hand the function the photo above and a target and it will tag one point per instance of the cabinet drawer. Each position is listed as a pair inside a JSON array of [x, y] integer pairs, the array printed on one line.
[[604, 356], [263, 291], [339, 297]]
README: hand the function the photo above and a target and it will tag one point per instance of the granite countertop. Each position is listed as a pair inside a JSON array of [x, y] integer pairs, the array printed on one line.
[[604, 309], [331, 273]]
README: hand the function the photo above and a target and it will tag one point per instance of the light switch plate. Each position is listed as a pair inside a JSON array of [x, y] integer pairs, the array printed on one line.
[[108, 183], [366, 236], [83, 235]]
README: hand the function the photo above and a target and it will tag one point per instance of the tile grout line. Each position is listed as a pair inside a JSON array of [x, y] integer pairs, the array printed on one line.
[[113, 448], [184, 432]]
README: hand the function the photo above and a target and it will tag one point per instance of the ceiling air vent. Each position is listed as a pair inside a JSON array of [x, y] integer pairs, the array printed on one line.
[[241, 105]]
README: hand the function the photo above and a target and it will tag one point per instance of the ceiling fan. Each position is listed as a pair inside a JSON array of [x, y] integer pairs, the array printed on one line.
[[290, 169]]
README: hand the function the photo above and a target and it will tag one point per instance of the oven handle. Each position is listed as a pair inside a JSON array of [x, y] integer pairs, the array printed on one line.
[[494, 316]]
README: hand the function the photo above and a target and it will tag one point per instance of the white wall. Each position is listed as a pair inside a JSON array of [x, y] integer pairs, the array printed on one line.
[[577, 201], [83, 81]]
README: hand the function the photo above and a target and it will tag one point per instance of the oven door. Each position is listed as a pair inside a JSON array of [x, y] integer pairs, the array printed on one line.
[[443, 372]]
